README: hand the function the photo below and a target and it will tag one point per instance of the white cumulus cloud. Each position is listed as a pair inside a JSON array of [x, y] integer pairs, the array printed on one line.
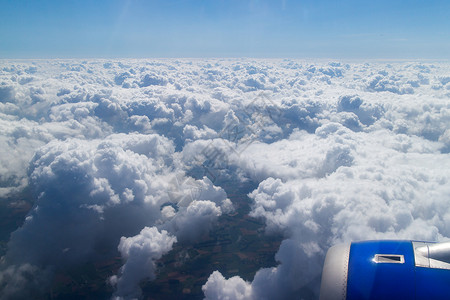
[[129, 157]]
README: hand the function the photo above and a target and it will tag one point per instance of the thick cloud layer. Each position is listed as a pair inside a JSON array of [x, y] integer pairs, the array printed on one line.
[[338, 152]]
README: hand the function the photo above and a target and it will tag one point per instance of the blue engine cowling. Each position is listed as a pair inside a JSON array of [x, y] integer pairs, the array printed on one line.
[[386, 270]]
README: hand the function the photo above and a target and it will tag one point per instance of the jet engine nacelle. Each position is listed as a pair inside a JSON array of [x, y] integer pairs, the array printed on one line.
[[387, 270]]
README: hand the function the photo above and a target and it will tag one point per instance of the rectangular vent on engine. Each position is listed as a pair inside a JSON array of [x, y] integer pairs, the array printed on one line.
[[389, 258]]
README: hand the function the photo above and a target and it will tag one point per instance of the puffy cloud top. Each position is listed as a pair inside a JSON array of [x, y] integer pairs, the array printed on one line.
[[140, 253]]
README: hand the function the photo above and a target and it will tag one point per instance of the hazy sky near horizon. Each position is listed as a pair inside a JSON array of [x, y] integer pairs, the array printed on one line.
[[391, 29]]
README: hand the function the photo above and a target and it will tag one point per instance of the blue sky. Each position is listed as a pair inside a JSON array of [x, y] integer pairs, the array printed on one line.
[[225, 28]]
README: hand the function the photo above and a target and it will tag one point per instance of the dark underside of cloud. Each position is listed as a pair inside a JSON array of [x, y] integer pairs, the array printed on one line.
[[130, 158]]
